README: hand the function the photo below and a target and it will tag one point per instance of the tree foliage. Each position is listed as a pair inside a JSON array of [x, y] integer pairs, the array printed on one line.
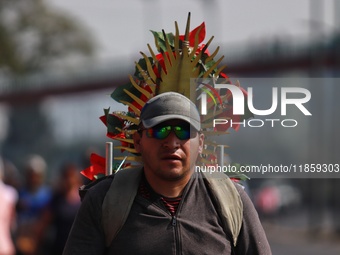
[[33, 36]]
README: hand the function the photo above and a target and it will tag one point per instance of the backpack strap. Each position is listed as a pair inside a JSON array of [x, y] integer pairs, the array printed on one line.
[[228, 200], [122, 192], [118, 201], [85, 188]]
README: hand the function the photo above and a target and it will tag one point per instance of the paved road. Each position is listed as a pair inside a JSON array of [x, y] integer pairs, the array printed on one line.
[[290, 236], [289, 241]]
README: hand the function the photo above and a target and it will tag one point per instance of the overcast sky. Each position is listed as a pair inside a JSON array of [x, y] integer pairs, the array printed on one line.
[[121, 27]]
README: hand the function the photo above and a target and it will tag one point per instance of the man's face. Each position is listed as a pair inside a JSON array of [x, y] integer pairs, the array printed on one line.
[[171, 158]]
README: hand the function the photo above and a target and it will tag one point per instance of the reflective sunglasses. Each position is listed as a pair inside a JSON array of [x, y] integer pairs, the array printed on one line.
[[162, 131]]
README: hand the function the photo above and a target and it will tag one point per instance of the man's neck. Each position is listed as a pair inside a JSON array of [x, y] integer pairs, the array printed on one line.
[[167, 188]]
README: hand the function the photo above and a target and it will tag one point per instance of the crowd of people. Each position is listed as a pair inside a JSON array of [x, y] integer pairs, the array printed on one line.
[[37, 215]]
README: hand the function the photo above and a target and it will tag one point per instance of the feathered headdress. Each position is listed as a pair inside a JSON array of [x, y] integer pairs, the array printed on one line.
[[179, 60]]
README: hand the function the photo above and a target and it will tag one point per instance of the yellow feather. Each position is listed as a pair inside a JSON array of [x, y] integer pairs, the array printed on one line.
[[205, 151], [170, 56], [205, 161], [130, 158], [129, 132], [152, 53], [134, 108], [211, 69], [211, 57], [144, 73], [132, 150], [124, 140], [176, 40], [139, 88], [220, 69], [152, 76], [136, 99]]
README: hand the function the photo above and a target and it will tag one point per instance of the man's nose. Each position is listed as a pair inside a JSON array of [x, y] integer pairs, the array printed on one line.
[[171, 141]]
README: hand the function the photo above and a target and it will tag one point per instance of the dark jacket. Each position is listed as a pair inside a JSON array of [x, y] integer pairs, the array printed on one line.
[[150, 228]]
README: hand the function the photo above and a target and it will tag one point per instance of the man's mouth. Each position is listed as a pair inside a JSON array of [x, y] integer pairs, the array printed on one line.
[[171, 157]]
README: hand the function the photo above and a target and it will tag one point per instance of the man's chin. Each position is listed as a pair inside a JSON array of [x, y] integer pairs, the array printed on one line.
[[175, 173]]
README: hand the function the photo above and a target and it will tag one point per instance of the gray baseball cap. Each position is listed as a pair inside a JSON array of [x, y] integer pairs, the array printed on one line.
[[168, 106]]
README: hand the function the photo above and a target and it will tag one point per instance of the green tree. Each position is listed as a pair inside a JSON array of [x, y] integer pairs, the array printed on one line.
[[34, 38]]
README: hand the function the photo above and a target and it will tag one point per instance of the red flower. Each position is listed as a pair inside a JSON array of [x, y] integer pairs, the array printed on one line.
[[97, 167], [121, 126], [192, 35], [223, 75]]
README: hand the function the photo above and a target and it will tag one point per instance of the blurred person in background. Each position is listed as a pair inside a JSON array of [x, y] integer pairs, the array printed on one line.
[[12, 177], [34, 196], [59, 215], [8, 198]]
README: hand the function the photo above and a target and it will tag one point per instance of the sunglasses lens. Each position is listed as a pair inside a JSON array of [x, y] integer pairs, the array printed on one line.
[[182, 133], [158, 132], [162, 132]]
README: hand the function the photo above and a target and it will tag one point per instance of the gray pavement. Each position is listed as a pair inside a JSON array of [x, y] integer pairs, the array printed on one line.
[[291, 235], [285, 241]]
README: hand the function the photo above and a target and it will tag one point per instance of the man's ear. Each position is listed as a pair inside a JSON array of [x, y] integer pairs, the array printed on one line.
[[136, 141], [201, 142]]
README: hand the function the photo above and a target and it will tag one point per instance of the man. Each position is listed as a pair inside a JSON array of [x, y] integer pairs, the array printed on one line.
[[34, 196], [173, 212]]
